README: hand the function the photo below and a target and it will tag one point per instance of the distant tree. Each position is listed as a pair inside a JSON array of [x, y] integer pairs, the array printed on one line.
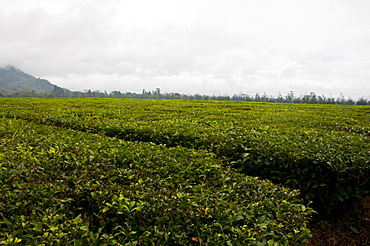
[[313, 98], [157, 94], [350, 101], [321, 99], [341, 99], [280, 98], [362, 101], [257, 97], [290, 96], [116, 94], [265, 98]]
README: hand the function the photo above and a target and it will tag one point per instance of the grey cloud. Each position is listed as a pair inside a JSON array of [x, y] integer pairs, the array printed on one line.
[[231, 48]]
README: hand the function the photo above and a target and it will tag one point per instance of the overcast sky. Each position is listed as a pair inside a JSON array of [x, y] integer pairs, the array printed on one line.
[[205, 46]]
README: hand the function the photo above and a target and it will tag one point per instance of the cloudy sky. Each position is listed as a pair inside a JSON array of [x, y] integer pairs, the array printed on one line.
[[205, 46]]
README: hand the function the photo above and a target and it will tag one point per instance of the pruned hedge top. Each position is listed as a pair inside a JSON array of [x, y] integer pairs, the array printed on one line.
[[66, 187], [323, 150]]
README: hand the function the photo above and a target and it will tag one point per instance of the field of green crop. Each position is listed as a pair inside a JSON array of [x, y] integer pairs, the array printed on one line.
[[164, 172]]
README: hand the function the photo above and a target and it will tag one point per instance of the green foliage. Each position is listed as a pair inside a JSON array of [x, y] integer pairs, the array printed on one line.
[[320, 149], [66, 187]]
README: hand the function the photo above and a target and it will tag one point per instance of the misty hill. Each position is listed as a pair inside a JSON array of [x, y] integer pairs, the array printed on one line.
[[14, 80]]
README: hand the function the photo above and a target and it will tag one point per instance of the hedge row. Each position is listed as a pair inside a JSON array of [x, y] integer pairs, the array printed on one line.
[[66, 187], [320, 149]]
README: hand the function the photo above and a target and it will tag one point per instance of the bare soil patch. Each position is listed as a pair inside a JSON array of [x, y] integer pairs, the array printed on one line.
[[352, 230]]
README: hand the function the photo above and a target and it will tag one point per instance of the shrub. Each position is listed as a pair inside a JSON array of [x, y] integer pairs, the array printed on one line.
[[65, 187]]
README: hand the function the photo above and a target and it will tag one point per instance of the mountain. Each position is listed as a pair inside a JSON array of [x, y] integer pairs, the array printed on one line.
[[14, 80]]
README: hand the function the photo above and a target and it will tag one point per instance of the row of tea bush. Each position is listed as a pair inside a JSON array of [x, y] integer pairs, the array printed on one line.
[[66, 187]]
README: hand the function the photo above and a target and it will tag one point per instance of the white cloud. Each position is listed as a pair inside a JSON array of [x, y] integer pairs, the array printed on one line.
[[213, 47]]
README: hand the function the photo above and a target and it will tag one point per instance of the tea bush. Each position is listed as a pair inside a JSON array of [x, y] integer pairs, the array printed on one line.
[[323, 150], [67, 187]]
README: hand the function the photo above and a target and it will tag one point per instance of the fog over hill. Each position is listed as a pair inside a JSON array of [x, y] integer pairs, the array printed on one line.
[[13, 80]]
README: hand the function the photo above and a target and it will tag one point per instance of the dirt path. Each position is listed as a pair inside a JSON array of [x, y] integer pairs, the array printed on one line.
[[353, 230]]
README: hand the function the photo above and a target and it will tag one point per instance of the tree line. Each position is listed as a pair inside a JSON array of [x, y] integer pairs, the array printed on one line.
[[311, 98]]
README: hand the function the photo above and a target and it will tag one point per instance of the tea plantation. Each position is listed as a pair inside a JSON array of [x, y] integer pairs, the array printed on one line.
[[175, 172]]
